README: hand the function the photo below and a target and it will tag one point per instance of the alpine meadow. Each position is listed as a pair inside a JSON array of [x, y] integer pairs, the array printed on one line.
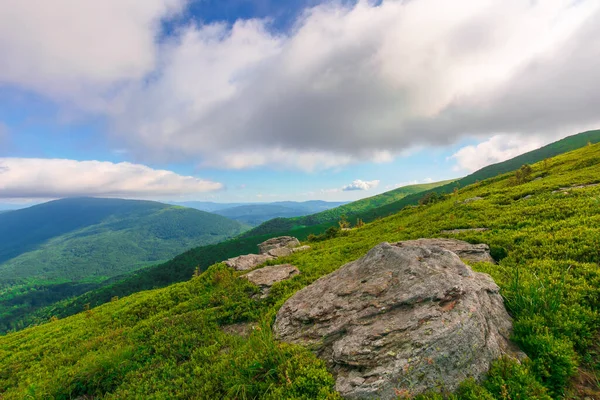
[[299, 200]]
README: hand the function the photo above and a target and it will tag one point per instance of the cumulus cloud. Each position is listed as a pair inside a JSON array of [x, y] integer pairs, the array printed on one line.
[[349, 83], [361, 185], [75, 50], [496, 149], [54, 178]]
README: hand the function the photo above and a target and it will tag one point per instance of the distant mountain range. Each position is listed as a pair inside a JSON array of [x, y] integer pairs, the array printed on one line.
[[64, 247], [254, 214]]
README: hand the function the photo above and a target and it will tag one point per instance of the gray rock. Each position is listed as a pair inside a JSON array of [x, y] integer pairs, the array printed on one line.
[[280, 252], [465, 250], [248, 261], [527, 197], [402, 319], [457, 231], [566, 189], [301, 248], [472, 199], [265, 277], [282, 241]]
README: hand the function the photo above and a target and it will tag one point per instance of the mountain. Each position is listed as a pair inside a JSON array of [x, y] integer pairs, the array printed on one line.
[[255, 214], [180, 342], [208, 206], [65, 247], [181, 267], [351, 210]]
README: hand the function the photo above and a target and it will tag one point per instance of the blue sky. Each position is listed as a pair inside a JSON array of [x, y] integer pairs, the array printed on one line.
[[261, 100]]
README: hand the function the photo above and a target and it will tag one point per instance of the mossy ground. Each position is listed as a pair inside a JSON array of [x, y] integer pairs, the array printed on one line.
[[169, 343]]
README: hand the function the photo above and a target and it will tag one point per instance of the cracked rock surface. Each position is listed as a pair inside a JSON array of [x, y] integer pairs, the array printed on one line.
[[465, 250], [400, 319]]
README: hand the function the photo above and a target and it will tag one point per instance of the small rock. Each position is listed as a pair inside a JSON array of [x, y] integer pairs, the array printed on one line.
[[248, 261], [301, 248], [465, 250], [457, 231], [404, 319], [527, 197], [282, 241], [472, 199], [265, 277]]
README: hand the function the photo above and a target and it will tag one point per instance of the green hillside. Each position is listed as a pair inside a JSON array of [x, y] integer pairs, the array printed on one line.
[[350, 209], [169, 343], [182, 266], [66, 247]]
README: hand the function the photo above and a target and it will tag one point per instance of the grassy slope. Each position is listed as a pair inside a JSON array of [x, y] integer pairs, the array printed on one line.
[[167, 343], [181, 267], [351, 209], [64, 248]]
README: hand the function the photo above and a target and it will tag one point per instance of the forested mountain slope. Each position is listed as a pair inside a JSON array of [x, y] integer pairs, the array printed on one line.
[[171, 342], [255, 214], [58, 249]]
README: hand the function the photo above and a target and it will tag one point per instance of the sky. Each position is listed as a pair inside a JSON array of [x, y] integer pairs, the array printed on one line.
[[264, 100]]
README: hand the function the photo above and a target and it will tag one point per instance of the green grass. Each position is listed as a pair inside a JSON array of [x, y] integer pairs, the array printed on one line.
[[169, 343]]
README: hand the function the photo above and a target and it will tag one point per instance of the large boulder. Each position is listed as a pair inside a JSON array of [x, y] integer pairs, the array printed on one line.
[[274, 243], [465, 250], [248, 261], [266, 277], [402, 319]]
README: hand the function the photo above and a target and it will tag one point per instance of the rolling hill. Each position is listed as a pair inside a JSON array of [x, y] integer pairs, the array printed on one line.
[[65, 247], [173, 342]]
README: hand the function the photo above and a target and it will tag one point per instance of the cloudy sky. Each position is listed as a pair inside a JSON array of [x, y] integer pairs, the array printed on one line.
[[259, 100]]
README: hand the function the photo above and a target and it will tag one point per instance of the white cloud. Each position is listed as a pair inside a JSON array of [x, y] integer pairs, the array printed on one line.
[[496, 149], [361, 185], [54, 178], [75, 50], [349, 83]]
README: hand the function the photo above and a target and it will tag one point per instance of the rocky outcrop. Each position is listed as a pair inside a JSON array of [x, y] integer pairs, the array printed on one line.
[[274, 243], [465, 250], [273, 248], [402, 319], [265, 277], [280, 252], [457, 231], [248, 261]]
